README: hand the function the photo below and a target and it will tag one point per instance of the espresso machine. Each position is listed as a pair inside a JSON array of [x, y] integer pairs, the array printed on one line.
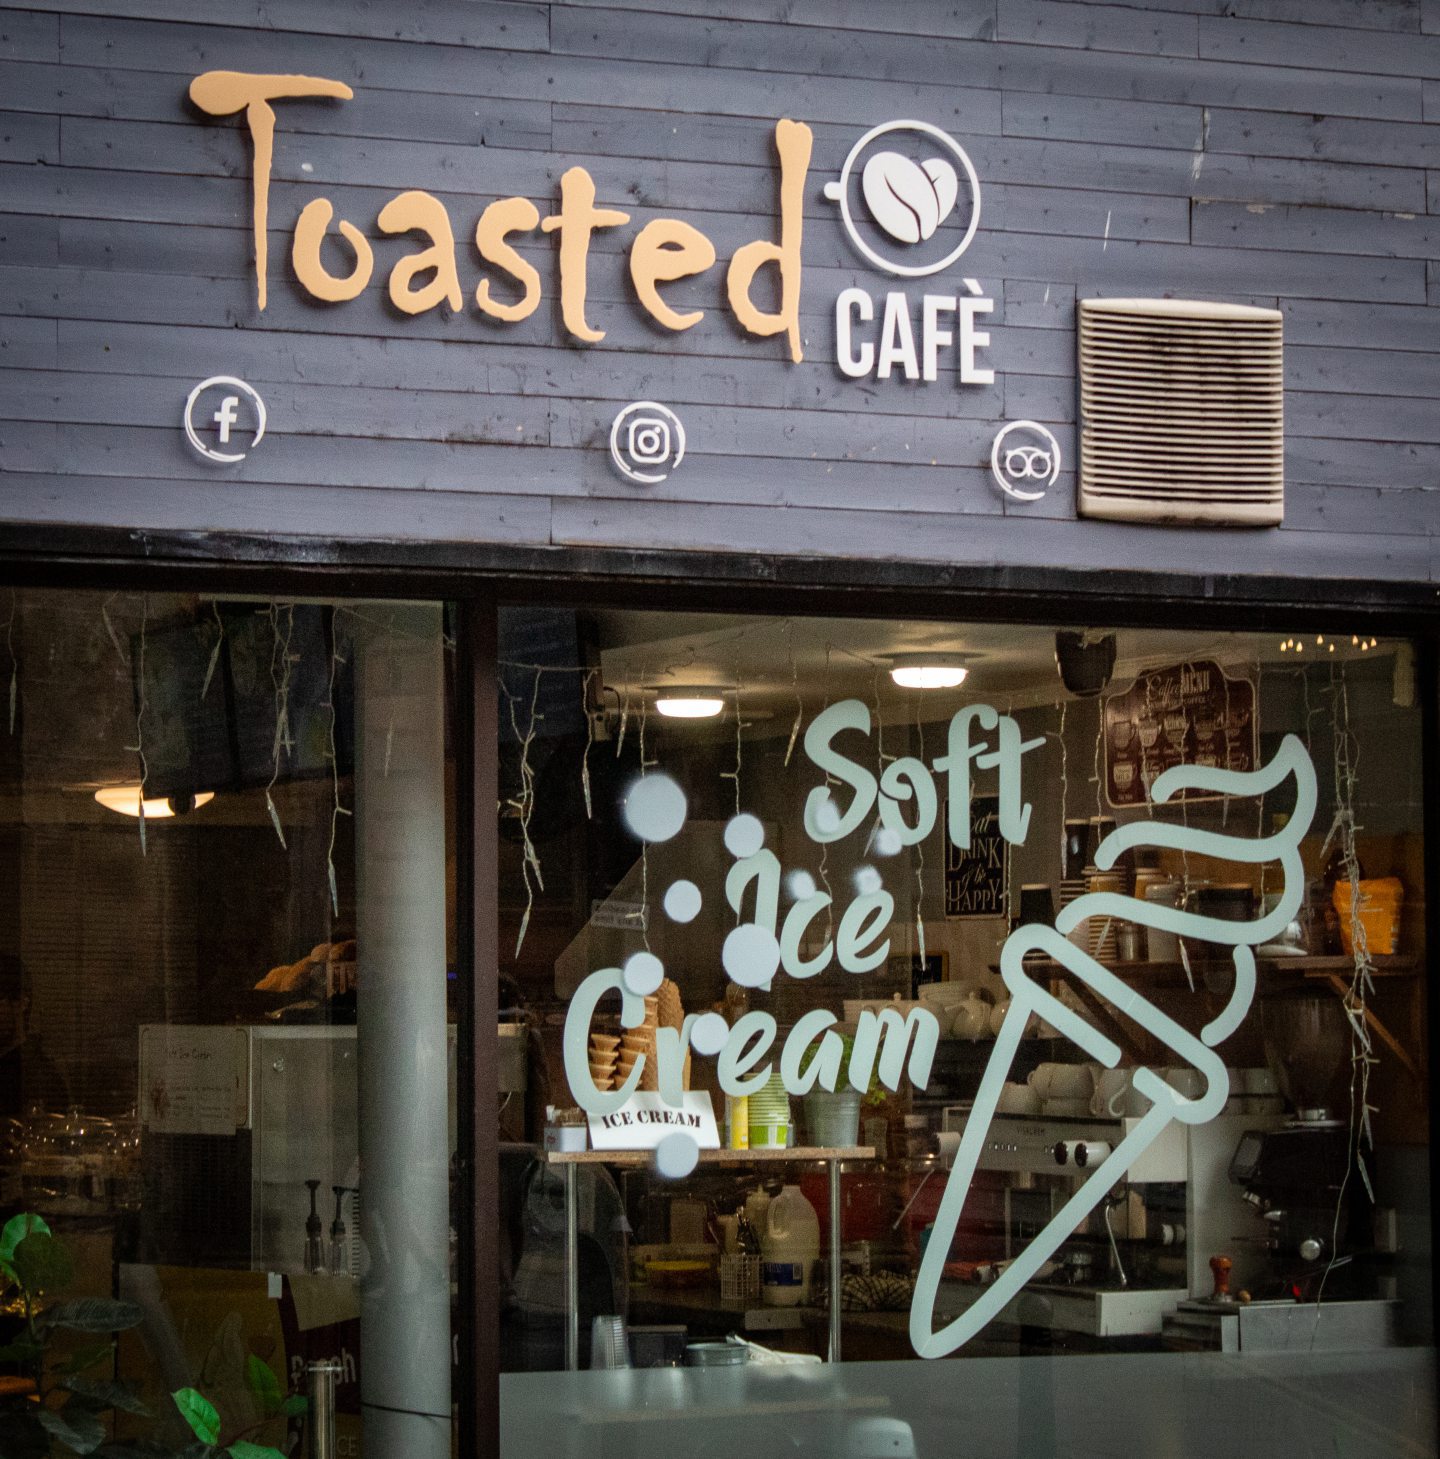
[[1310, 1215], [1300, 1179], [1143, 1251]]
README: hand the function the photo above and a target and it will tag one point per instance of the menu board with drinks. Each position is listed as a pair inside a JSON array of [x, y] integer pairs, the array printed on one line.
[[1186, 714], [976, 877]]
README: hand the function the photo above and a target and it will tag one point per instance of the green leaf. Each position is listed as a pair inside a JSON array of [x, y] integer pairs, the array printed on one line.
[[93, 1314], [86, 1357], [199, 1413], [295, 1405], [75, 1426], [243, 1450], [42, 1264], [263, 1383], [16, 1229], [21, 1352], [106, 1394]]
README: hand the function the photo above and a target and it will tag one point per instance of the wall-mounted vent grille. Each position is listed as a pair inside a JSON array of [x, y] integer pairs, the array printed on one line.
[[1181, 412]]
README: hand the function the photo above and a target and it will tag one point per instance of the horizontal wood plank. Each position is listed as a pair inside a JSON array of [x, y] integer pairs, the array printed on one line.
[[1097, 28]]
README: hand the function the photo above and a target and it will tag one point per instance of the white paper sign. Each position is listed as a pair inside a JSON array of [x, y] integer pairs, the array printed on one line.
[[192, 1080], [645, 1119]]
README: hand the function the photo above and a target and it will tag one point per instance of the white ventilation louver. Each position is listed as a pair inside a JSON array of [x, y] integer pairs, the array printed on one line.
[[1181, 412]]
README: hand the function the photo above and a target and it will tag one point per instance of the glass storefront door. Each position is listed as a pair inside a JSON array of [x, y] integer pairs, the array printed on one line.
[[1048, 1005], [229, 1045]]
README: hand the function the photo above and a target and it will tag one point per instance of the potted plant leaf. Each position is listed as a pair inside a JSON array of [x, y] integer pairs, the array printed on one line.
[[832, 1118], [59, 1399]]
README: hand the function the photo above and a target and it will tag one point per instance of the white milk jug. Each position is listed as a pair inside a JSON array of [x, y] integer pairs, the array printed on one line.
[[789, 1249]]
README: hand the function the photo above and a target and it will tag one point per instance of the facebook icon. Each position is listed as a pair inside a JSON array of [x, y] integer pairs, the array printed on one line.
[[225, 417], [239, 411]]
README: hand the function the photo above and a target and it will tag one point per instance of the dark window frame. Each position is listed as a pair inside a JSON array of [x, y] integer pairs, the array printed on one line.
[[478, 578]]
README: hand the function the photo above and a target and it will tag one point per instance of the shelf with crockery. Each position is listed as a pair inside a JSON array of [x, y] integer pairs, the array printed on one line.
[[762, 1155], [1398, 965], [1335, 972]]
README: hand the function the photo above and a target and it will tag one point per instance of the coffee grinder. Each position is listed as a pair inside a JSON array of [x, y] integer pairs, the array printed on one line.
[[1298, 1178]]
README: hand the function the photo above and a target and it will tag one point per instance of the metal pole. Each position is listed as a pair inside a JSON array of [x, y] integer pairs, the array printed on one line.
[[403, 1059], [322, 1376], [572, 1269], [833, 1168]]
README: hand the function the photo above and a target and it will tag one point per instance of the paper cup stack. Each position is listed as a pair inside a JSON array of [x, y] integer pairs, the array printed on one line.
[[770, 1115], [1101, 931]]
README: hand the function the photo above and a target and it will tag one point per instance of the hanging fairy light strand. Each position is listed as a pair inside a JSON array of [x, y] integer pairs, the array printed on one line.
[[332, 755], [524, 804], [280, 666], [585, 684]]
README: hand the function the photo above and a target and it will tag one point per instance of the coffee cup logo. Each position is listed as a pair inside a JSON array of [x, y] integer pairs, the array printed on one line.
[[909, 195]]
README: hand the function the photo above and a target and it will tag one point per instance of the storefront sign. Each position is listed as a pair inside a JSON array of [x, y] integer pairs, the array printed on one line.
[[646, 1119], [976, 884], [1186, 714], [911, 188], [907, 798]]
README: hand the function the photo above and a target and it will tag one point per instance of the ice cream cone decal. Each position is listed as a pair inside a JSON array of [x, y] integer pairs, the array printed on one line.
[[1029, 997]]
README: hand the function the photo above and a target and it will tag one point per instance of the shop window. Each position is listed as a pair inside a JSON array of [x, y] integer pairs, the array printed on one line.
[[228, 1067], [1088, 968]]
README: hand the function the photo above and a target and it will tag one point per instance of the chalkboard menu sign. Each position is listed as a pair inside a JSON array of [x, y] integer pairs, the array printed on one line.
[[1187, 714], [975, 883]]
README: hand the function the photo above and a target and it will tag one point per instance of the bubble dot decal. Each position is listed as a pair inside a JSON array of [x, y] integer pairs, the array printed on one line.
[[643, 972], [824, 819], [887, 842], [655, 808], [750, 955], [708, 1034], [682, 901], [744, 836], [867, 880], [800, 884], [677, 1155]]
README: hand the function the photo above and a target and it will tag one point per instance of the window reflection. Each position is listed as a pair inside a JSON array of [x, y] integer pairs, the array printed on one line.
[[848, 853]]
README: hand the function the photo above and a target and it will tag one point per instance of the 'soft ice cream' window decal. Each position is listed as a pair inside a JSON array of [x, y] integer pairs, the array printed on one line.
[[907, 798]]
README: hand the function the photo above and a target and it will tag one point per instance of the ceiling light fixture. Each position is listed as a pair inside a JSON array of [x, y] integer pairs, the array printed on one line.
[[928, 671], [697, 703], [125, 799]]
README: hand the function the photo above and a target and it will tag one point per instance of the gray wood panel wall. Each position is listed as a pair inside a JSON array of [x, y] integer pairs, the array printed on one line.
[[1281, 152]]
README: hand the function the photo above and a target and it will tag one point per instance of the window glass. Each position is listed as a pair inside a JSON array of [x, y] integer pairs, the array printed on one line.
[[216, 1015], [1045, 1001]]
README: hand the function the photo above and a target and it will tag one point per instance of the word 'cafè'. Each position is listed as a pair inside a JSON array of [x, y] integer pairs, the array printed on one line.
[[664, 250]]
